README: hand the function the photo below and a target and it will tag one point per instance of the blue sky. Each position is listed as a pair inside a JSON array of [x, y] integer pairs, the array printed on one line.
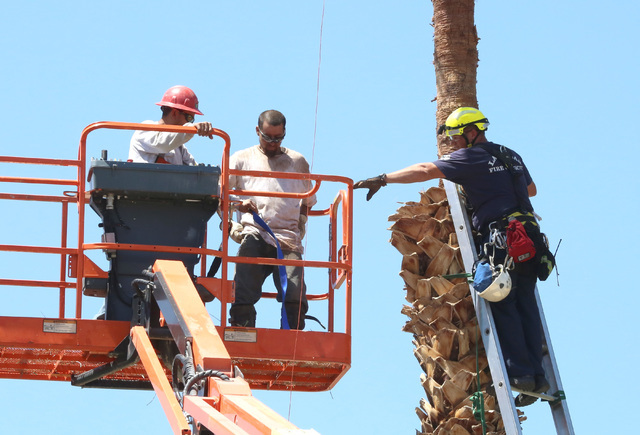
[[558, 81]]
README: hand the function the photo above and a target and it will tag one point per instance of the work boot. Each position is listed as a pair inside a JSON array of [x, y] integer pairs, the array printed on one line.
[[242, 315], [295, 321], [524, 383], [524, 400], [542, 385]]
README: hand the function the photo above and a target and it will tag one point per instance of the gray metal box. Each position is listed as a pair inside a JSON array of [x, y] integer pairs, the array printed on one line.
[[154, 180]]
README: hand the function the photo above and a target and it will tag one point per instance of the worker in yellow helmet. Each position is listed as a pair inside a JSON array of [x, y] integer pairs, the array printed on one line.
[[497, 184]]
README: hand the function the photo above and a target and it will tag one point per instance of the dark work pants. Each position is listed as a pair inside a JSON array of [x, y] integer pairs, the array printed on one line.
[[249, 279], [518, 323], [517, 319]]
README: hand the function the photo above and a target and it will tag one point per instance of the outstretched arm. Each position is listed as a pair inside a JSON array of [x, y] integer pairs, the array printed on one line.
[[411, 174], [415, 173]]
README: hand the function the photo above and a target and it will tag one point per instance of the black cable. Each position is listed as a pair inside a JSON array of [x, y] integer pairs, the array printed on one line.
[[149, 273], [136, 283], [203, 375]]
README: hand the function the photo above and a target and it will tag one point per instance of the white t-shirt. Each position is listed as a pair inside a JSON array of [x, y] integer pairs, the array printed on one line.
[[281, 214], [147, 146]]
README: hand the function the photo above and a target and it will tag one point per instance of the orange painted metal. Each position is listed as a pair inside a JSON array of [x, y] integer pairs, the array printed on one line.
[[28, 352], [63, 244], [161, 385], [54, 349], [36, 283], [39, 198], [291, 360], [38, 181], [203, 410], [320, 358], [253, 413], [218, 289], [232, 396], [208, 349], [91, 270], [39, 161], [37, 249], [231, 409], [82, 173]]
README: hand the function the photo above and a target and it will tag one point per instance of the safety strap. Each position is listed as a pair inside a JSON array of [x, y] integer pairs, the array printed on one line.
[[282, 270], [527, 219], [215, 265]]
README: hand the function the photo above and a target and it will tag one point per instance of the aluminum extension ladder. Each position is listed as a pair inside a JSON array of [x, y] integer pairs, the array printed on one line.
[[556, 400]]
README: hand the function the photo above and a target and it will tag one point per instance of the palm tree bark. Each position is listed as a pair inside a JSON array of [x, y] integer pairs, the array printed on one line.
[[455, 59], [441, 315]]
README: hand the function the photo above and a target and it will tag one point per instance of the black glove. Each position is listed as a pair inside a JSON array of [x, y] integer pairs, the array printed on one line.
[[373, 184]]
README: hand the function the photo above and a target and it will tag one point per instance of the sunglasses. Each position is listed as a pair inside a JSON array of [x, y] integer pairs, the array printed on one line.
[[189, 116], [271, 139]]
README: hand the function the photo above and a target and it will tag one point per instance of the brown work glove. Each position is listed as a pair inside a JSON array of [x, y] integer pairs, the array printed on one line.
[[373, 184]]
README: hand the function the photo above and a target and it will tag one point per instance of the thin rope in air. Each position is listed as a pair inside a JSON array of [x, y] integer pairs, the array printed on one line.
[[313, 154]]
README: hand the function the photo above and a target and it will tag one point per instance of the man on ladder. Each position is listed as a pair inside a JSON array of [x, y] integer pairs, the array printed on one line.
[[498, 186]]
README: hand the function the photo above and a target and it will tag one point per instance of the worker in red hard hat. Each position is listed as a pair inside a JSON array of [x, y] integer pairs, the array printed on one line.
[[179, 106]]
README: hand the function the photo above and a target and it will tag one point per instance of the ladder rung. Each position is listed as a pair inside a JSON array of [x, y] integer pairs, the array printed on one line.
[[558, 395]]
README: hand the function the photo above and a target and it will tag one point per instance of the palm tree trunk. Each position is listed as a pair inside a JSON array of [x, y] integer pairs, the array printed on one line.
[[442, 320], [455, 58], [441, 315]]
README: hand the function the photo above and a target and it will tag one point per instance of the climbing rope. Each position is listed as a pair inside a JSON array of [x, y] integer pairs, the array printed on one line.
[[313, 153]]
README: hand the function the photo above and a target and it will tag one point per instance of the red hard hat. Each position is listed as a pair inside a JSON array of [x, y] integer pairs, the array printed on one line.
[[181, 97]]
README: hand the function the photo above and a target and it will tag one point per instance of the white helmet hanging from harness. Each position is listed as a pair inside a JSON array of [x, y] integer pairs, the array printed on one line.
[[500, 287], [493, 282]]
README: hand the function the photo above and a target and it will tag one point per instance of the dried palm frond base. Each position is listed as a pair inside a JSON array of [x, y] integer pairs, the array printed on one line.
[[442, 320]]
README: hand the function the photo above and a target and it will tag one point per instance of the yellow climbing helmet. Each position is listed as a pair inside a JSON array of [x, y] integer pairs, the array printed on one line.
[[461, 118]]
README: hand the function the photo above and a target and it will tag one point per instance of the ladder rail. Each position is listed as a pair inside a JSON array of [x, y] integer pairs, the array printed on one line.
[[483, 314], [559, 408]]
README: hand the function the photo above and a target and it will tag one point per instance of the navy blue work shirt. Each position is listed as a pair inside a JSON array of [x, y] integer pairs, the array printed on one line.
[[487, 182]]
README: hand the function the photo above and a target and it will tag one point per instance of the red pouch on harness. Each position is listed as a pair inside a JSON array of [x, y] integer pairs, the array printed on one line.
[[520, 246]]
